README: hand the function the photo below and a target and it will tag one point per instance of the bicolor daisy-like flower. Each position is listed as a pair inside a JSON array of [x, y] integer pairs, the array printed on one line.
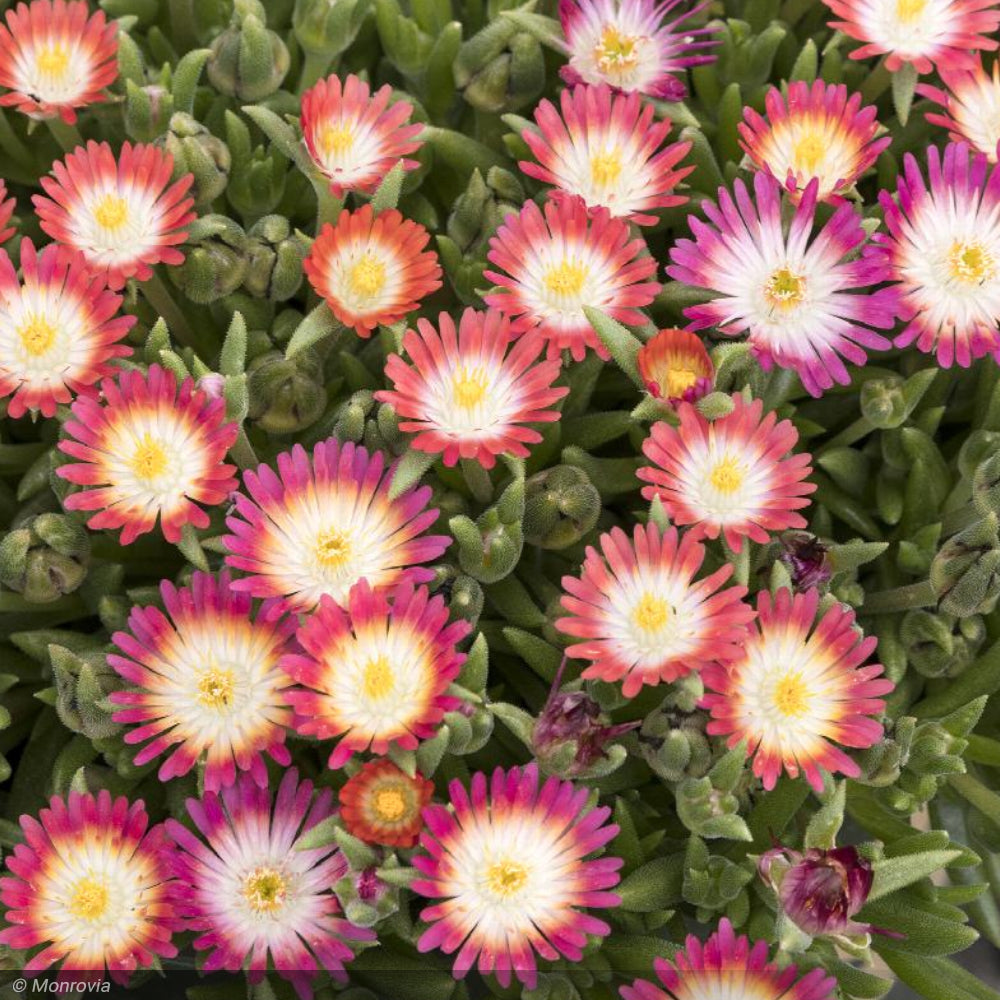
[[787, 287], [814, 131], [629, 45], [208, 686], [606, 149], [552, 266], [733, 476], [7, 206], [356, 137], [800, 691], [644, 616], [509, 864], [375, 674], [55, 57], [252, 894], [970, 106], [469, 393], [372, 269], [150, 450], [58, 330], [382, 804], [943, 244], [675, 366], [123, 215], [92, 885], [729, 966], [930, 34], [323, 522]]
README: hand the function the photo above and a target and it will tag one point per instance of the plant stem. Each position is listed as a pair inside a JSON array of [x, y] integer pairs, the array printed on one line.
[[327, 205], [315, 65], [478, 480], [914, 595], [68, 136], [158, 296]]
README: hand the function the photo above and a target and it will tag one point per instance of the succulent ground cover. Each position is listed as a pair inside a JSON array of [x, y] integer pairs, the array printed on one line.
[[500, 500]]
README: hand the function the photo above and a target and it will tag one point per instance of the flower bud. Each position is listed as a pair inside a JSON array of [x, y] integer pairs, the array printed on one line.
[[819, 891], [350, 425], [467, 599], [147, 110], [199, 153], [365, 898], [46, 558], [214, 262], [806, 558], [327, 27], [487, 549], [286, 395], [258, 175], [248, 61], [882, 402], [978, 447], [481, 207], [965, 574], [674, 744], [561, 506], [500, 68], [274, 259], [83, 681]]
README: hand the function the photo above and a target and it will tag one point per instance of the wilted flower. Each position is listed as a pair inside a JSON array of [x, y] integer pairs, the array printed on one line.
[[806, 558]]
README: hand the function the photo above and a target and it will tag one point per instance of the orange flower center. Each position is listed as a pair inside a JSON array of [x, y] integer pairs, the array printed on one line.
[[390, 804], [785, 289], [52, 60], [37, 335], [111, 212], [336, 141], [971, 262], [505, 878], [90, 899], [727, 476], [265, 890], [566, 279], [150, 459], [333, 547], [791, 697], [378, 681], [606, 167], [908, 11], [216, 687], [651, 613], [469, 386], [368, 276], [616, 52]]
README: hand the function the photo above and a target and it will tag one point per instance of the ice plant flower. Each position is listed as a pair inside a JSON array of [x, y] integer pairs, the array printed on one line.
[[382, 804], [733, 476], [123, 215], [471, 393], [58, 330], [7, 206], [643, 615], [941, 34], [55, 57], [729, 966], [356, 137], [324, 521], [800, 691], [675, 367], [629, 44], [375, 674], [549, 267], [251, 894], [372, 269], [790, 291], [606, 149], [815, 131], [150, 450], [970, 106], [820, 891], [943, 245], [207, 685], [508, 865], [92, 885]]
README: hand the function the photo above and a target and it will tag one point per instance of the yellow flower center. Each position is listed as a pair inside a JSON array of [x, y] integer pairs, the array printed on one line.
[[505, 878], [809, 152], [791, 697], [679, 380], [90, 899], [53, 60], [265, 890], [616, 52], [216, 687], [336, 140], [333, 547], [468, 387], [971, 263], [651, 613], [390, 804], [37, 335], [111, 212], [606, 167], [785, 289], [727, 476], [908, 11], [378, 681], [150, 459], [566, 279], [368, 276]]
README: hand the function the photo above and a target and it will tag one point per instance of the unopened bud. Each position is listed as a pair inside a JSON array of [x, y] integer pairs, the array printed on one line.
[[965, 574], [215, 262], [561, 506], [274, 259], [286, 395], [248, 61], [198, 152]]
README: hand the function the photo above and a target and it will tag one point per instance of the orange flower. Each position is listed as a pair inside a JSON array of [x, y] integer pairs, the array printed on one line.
[[382, 804], [675, 366]]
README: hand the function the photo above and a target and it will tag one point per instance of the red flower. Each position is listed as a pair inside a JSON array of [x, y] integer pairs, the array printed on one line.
[[382, 804]]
